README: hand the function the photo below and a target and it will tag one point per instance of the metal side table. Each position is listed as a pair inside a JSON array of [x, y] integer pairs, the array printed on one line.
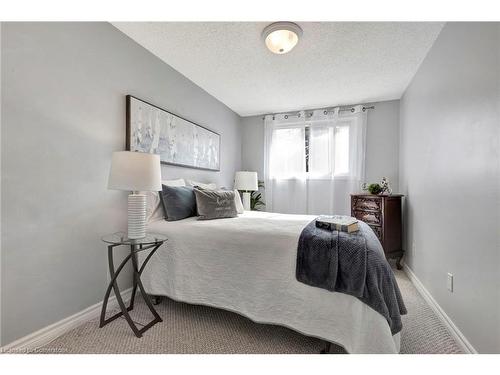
[[151, 242]]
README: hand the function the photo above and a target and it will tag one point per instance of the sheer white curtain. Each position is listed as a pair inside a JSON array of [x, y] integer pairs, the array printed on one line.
[[314, 161]]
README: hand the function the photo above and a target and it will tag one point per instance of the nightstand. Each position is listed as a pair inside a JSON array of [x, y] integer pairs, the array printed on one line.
[[383, 213], [151, 242]]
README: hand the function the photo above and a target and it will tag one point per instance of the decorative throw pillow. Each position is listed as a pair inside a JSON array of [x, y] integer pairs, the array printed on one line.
[[179, 202], [210, 186], [154, 207], [237, 200], [215, 204]]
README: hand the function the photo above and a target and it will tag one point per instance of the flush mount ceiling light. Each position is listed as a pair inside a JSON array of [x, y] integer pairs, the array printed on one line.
[[281, 37]]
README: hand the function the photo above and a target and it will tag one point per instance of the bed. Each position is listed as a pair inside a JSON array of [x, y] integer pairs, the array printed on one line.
[[247, 265]]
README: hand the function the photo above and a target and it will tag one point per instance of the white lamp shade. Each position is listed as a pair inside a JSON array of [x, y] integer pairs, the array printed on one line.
[[245, 180], [135, 171]]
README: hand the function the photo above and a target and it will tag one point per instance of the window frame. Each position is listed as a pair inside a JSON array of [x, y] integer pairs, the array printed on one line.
[[306, 174], [309, 175]]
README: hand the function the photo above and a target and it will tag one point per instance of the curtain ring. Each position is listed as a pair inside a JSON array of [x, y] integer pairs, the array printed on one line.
[[352, 110], [325, 112], [298, 115], [286, 117], [274, 118], [364, 109]]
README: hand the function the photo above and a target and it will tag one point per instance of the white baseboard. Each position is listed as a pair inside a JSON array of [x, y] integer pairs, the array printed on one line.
[[455, 332], [45, 335]]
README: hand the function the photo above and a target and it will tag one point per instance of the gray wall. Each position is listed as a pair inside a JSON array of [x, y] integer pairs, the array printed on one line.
[[63, 114], [252, 144], [382, 143], [450, 173]]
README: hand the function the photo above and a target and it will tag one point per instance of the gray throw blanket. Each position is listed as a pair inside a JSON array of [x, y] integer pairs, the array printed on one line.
[[350, 263]]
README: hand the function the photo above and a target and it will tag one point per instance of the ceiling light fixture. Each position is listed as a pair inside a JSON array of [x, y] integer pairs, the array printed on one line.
[[281, 37]]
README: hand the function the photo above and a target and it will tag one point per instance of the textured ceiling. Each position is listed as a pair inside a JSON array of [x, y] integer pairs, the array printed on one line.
[[334, 63]]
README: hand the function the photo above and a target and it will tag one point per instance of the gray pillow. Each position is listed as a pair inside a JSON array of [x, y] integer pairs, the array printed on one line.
[[215, 204], [178, 202]]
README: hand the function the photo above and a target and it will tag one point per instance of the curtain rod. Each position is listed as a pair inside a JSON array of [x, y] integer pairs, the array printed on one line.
[[326, 111]]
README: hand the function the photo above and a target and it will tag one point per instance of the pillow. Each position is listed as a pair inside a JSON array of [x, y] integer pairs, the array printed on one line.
[[179, 202], [210, 186], [215, 204], [154, 208], [237, 202]]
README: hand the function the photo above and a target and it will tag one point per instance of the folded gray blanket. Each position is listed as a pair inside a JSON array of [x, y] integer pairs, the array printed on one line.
[[350, 263]]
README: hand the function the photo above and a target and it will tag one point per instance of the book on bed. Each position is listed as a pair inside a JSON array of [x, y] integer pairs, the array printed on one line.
[[337, 222]]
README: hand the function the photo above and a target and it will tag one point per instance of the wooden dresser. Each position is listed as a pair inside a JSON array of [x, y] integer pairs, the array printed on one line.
[[383, 213]]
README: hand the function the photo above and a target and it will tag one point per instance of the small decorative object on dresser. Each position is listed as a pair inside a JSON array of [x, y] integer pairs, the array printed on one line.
[[386, 186], [383, 213], [383, 187]]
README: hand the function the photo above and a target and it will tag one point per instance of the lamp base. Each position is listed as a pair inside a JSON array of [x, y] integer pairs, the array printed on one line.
[[246, 201], [136, 216]]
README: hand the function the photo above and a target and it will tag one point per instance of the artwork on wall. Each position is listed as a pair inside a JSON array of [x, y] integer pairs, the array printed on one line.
[[178, 141]]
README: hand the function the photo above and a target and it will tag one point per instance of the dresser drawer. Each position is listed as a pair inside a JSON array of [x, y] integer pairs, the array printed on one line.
[[369, 217], [378, 232], [372, 204]]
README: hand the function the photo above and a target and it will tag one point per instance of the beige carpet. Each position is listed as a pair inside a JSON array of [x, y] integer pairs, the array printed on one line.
[[199, 329]]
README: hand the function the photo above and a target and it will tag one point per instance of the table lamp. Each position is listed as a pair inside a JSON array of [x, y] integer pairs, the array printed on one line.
[[135, 172], [246, 181]]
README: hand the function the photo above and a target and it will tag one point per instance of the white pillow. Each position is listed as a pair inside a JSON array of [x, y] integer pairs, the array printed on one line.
[[237, 202], [154, 210], [210, 186]]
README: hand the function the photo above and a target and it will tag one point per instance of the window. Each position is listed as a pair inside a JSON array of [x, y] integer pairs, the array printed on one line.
[[314, 160], [287, 157], [319, 151], [341, 150]]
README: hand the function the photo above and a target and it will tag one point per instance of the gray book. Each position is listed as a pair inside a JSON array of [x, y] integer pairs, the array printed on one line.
[[337, 222]]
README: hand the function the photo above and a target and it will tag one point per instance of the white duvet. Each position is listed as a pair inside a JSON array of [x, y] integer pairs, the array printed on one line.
[[247, 265]]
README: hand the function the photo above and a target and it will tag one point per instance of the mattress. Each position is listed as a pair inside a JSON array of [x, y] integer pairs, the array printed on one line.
[[247, 265]]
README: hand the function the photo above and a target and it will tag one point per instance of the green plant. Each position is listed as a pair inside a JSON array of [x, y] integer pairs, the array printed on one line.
[[256, 201], [374, 188]]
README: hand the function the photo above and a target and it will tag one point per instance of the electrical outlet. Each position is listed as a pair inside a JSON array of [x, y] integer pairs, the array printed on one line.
[[449, 282]]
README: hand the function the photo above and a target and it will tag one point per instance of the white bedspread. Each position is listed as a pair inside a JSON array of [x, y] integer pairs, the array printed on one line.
[[247, 265]]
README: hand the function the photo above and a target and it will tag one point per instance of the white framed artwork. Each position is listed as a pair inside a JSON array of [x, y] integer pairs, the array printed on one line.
[[178, 141]]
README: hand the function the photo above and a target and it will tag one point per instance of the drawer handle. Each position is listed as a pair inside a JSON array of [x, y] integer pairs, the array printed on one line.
[[367, 204], [370, 218]]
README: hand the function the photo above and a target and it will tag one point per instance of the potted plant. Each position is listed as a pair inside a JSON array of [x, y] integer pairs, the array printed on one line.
[[256, 201], [375, 188]]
